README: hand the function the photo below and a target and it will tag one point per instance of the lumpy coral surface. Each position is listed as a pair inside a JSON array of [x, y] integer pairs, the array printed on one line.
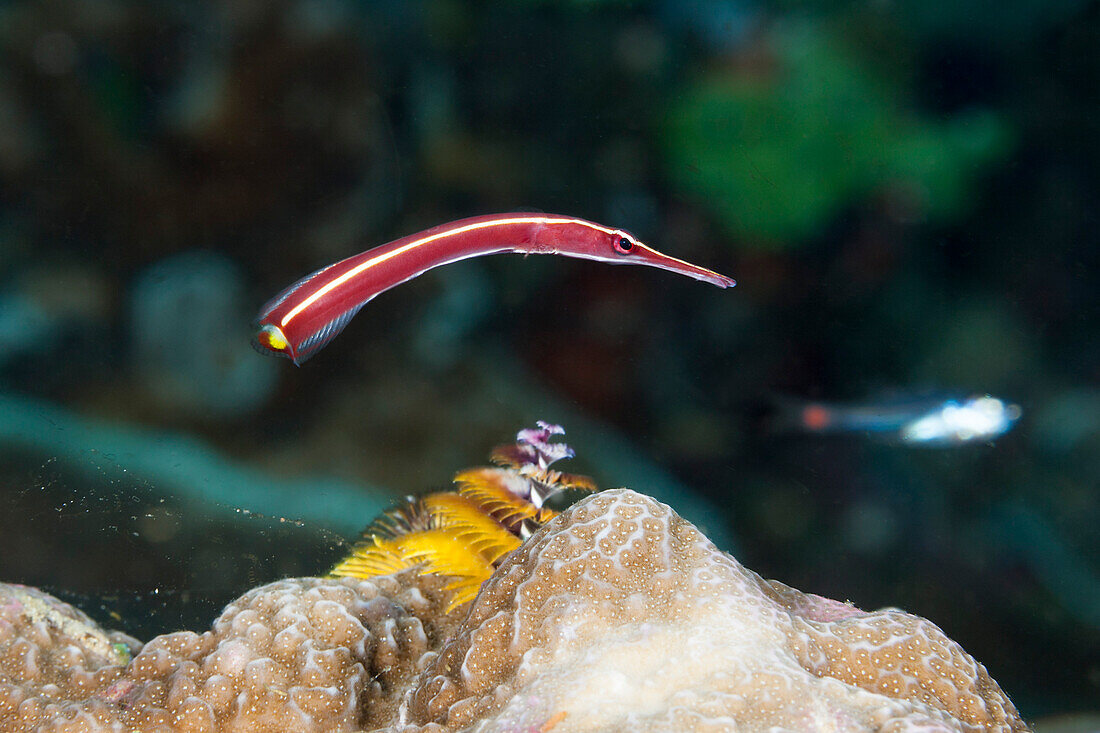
[[618, 615]]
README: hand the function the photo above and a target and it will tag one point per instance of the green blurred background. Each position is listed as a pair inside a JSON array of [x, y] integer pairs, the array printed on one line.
[[906, 192]]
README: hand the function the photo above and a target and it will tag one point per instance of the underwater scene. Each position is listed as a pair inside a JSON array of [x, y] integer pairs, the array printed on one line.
[[298, 435]]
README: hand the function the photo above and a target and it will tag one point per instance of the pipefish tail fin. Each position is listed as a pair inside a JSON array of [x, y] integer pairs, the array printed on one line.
[[317, 340]]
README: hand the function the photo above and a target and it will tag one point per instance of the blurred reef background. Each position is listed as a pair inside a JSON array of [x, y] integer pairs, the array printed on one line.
[[906, 191]]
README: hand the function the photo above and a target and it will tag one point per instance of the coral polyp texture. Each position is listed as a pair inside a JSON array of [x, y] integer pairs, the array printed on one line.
[[616, 615]]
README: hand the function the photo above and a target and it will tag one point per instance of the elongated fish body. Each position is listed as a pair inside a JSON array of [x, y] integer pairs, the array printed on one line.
[[307, 315], [927, 422]]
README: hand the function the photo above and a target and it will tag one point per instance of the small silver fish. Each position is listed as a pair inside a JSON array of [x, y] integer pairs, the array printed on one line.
[[938, 422]]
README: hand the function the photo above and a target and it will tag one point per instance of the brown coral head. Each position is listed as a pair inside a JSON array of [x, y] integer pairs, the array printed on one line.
[[620, 615]]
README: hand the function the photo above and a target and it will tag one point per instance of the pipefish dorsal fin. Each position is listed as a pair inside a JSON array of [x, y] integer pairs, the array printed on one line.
[[289, 290]]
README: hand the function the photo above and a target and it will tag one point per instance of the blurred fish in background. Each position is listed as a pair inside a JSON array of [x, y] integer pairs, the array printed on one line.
[[940, 421]]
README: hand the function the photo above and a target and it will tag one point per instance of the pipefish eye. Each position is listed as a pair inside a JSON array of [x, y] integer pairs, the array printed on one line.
[[624, 244]]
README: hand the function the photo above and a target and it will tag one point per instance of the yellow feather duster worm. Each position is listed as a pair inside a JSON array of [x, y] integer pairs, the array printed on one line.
[[443, 534], [495, 491], [465, 535], [467, 521]]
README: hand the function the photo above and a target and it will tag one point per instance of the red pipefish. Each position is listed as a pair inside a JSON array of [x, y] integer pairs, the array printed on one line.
[[307, 315]]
